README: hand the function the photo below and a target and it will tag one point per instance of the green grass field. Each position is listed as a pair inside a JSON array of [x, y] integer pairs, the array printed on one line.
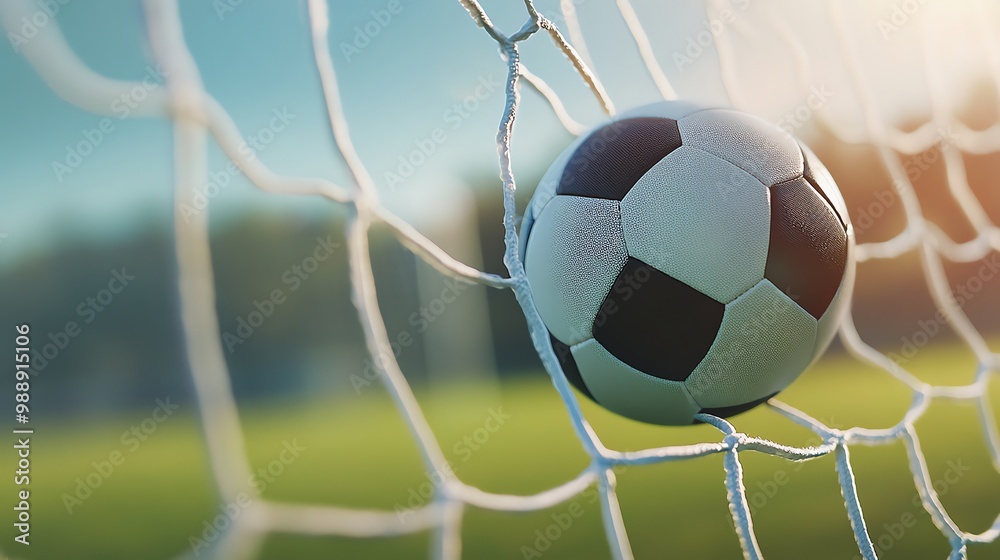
[[358, 453]]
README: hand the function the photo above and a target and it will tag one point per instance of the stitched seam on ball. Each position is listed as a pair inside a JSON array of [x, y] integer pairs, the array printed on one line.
[[621, 230], [720, 158], [844, 220], [691, 114], [690, 397]]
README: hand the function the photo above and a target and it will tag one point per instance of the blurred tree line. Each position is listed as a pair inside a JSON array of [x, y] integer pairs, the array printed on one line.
[[288, 323], [99, 345]]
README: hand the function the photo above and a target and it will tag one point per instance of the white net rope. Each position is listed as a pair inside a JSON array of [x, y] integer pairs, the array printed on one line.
[[197, 116]]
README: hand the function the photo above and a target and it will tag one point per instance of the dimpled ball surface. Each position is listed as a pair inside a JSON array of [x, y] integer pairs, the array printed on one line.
[[687, 260]]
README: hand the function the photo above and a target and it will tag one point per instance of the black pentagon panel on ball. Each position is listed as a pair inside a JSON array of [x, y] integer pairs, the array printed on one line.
[[807, 253], [813, 182], [727, 411], [610, 161], [656, 323], [568, 363]]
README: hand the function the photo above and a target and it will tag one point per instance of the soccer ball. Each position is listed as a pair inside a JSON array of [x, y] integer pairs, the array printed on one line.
[[687, 260]]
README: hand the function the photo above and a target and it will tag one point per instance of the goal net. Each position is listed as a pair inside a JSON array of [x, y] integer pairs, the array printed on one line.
[[861, 115]]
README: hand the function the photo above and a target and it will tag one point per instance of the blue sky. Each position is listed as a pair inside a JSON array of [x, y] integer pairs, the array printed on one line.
[[256, 59], [398, 89]]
